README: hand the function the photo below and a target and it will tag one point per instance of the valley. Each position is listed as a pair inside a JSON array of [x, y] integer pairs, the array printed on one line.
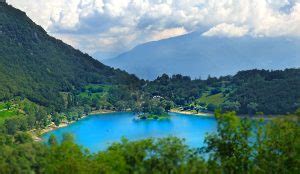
[[62, 111]]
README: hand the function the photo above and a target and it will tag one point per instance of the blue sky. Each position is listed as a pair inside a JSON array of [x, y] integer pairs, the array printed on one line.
[[107, 28]]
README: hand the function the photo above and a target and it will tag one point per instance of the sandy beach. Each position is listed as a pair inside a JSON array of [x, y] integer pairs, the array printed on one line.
[[202, 114]]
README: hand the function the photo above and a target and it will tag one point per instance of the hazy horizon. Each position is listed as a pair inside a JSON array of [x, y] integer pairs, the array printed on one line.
[[105, 29]]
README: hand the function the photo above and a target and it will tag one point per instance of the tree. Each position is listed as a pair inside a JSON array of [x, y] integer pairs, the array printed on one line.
[[230, 147], [120, 105], [95, 101], [277, 146], [252, 108], [167, 105], [11, 125], [215, 91], [52, 141], [87, 109], [56, 118], [211, 107], [70, 101], [230, 106], [8, 105], [158, 110], [298, 112], [67, 158], [22, 138], [67, 137]]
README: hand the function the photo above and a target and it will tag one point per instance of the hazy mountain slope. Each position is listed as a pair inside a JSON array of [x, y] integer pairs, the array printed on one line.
[[37, 66], [199, 56]]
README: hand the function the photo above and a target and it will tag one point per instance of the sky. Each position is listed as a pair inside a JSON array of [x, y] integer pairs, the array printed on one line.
[[106, 28]]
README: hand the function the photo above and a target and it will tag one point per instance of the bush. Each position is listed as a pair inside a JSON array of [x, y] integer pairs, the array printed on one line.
[[211, 107]]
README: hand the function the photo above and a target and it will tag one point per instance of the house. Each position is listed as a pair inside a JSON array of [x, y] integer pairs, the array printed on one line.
[[157, 97]]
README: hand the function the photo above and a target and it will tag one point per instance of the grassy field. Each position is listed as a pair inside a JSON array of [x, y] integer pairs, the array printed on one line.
[[93, 90], [4, 113], [2, 106], [216, 99], [97, 87]]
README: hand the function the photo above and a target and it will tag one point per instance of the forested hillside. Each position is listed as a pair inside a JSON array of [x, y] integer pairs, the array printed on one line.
[[248, 92], [38, 67], [270, 92]]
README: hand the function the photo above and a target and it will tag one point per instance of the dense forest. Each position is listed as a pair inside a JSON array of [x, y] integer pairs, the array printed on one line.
[[275, 92]]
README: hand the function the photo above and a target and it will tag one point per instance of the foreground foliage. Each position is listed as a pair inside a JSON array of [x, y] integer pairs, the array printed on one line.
[[238, 146]]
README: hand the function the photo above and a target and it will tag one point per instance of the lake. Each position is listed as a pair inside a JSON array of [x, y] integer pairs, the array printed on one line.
[[97, 132]]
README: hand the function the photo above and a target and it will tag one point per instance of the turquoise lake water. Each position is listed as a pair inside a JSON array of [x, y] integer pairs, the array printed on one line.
[[97, 132]]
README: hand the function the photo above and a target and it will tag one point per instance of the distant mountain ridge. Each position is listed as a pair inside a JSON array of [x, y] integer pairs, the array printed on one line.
[[200, 56]]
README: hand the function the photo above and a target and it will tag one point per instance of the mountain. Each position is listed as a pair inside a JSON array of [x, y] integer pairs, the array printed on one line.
[[39, 67], [200, 56]]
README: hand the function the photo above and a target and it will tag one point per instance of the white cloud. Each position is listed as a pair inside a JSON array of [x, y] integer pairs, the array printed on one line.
[[167, 33], [227, 30], [117, 25]]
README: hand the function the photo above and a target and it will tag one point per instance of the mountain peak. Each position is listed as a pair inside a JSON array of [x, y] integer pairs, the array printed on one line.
[[199, 56]]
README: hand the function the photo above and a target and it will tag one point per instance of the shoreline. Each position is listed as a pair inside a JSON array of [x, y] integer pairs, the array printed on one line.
[[36, 134], [201, 114], [101, 112], [204, 114]]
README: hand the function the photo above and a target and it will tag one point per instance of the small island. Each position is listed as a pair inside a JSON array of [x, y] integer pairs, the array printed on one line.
[[156, 108], [150, 116]]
